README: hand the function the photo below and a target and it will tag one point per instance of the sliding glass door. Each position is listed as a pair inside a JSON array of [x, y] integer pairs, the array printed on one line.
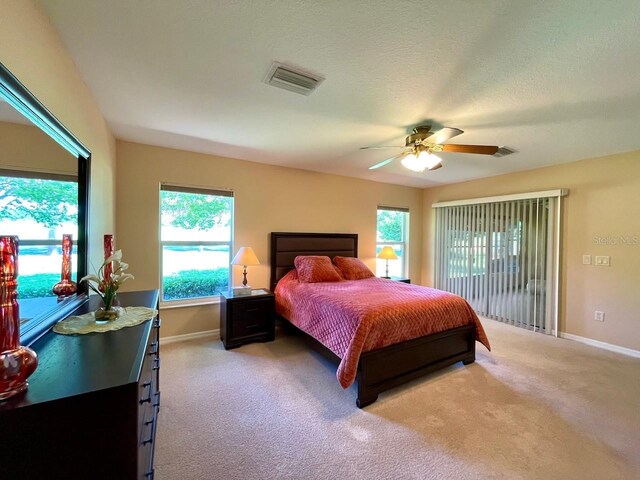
[[500, 256]]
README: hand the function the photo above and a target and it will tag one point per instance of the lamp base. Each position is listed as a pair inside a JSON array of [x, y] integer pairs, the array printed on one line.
[[239, 291]]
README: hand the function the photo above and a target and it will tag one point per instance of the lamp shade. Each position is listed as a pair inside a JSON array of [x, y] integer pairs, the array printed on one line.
[[245, 256], [387, 253]]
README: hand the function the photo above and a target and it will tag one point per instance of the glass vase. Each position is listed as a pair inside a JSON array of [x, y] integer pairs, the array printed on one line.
[[106, 315], [66, 286], [16, 363], [108, 251]]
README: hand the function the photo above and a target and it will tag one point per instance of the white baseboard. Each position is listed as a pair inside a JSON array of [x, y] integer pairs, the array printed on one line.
[[569, 336], [604, 345], [189, 336]]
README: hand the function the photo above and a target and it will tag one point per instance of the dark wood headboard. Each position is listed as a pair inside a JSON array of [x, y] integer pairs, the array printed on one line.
[[286, 246]]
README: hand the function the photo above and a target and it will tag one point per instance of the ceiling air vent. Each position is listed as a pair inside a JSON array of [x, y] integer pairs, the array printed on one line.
[[292, 79], [504, 151]]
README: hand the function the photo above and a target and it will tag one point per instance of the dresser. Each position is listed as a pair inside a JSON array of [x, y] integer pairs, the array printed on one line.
[[91, 410]]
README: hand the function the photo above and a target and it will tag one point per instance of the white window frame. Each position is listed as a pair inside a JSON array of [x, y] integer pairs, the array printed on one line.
[[404, 267], [192, 301]]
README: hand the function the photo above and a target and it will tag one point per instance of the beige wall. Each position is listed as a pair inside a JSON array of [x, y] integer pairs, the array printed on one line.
[[27, 148], [267, 198], [604, 201], [32, 50]]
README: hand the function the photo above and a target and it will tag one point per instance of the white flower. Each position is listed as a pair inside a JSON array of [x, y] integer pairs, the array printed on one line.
[[92, 278], [117, 256], [122, 277], [108, 286]]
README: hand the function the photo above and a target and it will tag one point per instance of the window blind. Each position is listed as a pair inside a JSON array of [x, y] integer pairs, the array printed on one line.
[[502, 257], [198, 190]]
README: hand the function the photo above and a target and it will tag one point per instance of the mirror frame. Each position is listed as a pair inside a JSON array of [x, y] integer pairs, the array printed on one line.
[[20, 98]]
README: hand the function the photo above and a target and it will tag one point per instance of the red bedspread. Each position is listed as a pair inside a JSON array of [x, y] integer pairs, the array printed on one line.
[[352, 317]]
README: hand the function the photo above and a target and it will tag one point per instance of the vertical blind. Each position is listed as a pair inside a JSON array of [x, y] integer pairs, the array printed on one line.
[[501, 257]]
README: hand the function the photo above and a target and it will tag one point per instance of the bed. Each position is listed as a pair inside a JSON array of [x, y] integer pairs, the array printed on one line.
[[382, 368]]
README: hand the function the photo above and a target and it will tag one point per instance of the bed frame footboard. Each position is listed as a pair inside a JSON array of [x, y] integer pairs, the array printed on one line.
[[388, 367]]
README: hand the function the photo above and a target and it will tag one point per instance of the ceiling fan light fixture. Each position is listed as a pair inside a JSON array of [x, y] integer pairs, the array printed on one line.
[[421, 162], [417, 154], [429, 160], [413, 163]]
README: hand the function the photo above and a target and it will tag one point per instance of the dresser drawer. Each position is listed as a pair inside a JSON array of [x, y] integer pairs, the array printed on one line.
[[147, 440], [148, 404], [147, 384]]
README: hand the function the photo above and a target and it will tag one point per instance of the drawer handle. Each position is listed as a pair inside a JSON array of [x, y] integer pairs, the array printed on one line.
[[253, 326], [156, 403], [154, 348], [149, 474], [156, 363], [254, 309], [148, 399], [157, 322], [149, 422]]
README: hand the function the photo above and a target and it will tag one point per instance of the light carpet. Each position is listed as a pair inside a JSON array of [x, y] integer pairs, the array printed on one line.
[[536, 407]]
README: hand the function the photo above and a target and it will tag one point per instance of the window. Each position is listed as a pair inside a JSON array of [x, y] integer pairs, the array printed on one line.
[[393, 230], [39, 210], [195, 237]]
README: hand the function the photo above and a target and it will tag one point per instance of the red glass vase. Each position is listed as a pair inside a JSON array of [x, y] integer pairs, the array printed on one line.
[[16, 363], [108, 251], [66, 286]]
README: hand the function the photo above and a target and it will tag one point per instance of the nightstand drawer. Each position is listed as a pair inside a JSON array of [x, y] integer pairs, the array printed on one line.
[[250, 326], [253, 309]]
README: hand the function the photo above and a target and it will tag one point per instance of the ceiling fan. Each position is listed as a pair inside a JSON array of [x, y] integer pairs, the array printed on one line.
[[417, 153]]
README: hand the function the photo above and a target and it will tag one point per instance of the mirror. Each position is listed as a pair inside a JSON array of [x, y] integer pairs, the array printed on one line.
[[43, 195]]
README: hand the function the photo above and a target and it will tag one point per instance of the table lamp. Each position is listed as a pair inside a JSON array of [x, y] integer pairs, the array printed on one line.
[[245, 256], [387, 253]]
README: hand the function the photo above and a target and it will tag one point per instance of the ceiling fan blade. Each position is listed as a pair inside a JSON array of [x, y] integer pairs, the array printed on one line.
[[385, 162], [443, 135], [479, 149], [382, 146]]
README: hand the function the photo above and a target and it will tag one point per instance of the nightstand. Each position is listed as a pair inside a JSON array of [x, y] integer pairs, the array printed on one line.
[[246, 318], [401, 279]]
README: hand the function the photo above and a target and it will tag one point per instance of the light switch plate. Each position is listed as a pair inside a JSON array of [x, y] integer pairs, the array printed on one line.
[[603, 260], [586, 259]]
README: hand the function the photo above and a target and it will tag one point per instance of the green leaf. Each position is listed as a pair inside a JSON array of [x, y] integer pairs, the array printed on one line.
[[196, 211], [390, 226], [49, 202]]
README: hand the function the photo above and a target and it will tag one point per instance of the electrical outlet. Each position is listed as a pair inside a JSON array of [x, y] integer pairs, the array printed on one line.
[[586, 259], [599, 316], [603, 260]]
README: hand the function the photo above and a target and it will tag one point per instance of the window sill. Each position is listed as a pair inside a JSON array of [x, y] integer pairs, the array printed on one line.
[[190, 302]]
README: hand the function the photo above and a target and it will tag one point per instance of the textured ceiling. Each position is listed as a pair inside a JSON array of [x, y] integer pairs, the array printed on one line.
[[557, 81]]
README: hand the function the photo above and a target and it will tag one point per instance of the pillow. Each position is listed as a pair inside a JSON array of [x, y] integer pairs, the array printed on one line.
[[353, 268], [314, 269]]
